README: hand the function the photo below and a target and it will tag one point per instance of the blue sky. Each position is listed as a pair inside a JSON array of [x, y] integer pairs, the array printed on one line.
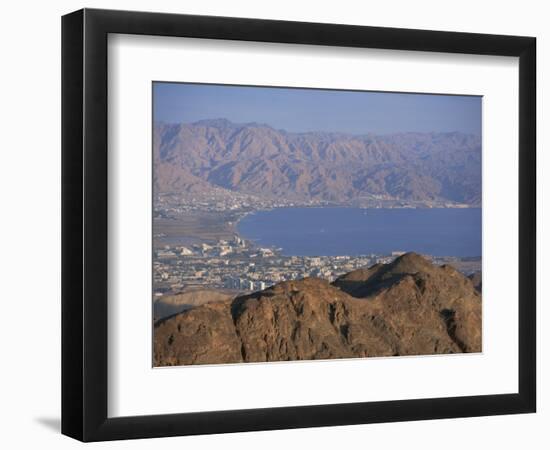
[[317, 110]]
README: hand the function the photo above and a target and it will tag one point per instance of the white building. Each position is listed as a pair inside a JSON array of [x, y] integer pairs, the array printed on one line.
[[260, 285]]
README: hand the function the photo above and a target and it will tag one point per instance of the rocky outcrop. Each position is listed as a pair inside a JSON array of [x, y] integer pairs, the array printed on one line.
[[169, 305], [203, 335], [476, 280], [408, 307]]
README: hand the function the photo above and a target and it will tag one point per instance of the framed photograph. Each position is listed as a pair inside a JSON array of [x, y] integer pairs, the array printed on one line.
[[273, 224]]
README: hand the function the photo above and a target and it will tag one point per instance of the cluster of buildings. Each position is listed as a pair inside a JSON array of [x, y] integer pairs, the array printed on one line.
[[222, 200], [221, 248], [237, 265], [169, 205]]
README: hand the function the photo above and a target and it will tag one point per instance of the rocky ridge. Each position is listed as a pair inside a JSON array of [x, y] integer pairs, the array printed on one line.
[[257, 159], [407, 307]]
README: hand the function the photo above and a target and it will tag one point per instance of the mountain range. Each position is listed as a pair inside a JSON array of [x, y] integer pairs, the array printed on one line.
[[258, 159], [407, 307]]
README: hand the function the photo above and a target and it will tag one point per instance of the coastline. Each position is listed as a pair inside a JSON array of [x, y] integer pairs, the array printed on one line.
[[228, 257], [206, 226]]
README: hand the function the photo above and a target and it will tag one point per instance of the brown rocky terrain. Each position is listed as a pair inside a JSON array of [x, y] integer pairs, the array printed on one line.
[[255, 158], [407, 307], [476, 280], [169, 305]]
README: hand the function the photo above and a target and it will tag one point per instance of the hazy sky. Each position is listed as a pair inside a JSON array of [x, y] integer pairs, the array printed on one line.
[[317, 110]]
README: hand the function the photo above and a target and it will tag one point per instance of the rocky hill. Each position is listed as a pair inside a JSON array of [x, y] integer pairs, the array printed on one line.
[[169, 305], [408, 307], [256, 158], [476, 280]]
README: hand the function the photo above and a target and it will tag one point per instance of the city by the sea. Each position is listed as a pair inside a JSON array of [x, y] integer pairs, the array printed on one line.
[[332, 231]]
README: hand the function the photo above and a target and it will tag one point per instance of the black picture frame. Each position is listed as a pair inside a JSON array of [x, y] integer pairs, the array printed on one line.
[[84, 224]]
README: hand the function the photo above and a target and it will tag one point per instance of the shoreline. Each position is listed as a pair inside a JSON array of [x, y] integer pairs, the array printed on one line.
[[228, 227], [229, 258]]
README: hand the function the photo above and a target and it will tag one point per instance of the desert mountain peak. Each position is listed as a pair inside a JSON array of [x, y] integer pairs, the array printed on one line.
[[317, 165], [410, 262], [216, 123]]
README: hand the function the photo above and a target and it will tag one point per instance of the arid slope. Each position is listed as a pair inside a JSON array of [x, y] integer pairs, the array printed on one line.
[[408, 307], [255, 158]]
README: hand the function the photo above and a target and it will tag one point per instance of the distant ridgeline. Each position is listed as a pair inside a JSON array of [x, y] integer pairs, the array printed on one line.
[[255, 158]]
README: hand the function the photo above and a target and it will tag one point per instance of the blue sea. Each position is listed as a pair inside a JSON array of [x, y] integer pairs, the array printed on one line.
[[355, 231]]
